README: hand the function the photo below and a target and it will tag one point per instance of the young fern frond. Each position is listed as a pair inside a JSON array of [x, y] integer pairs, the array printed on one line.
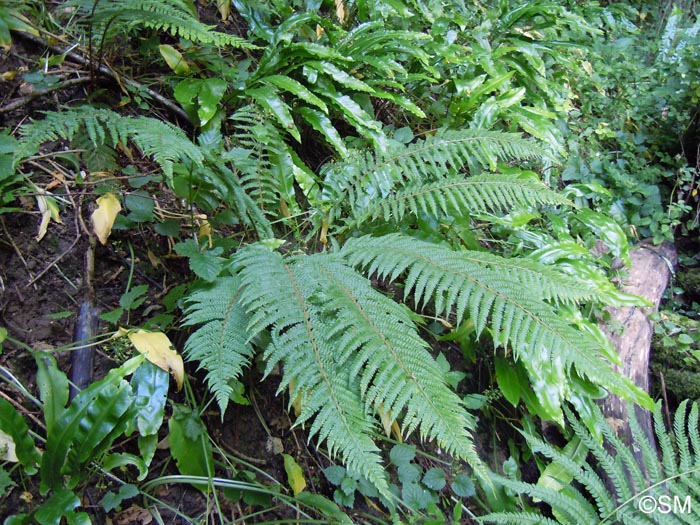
[[264, 162], [622, 504], [505, 297], [361, 178], [162, 141], [349, 352], [220, 344], [177, 17]]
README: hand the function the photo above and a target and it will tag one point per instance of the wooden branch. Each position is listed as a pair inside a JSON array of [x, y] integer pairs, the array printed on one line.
[[631, 331], [109, 72]]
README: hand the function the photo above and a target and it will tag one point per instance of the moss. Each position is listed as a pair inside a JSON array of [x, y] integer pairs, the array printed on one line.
[[689, 280]]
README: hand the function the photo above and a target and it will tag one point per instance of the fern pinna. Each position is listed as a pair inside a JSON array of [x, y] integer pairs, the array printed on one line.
[[616, 488]]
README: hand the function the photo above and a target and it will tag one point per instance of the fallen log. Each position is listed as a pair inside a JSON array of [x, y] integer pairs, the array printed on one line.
[[630, 329]]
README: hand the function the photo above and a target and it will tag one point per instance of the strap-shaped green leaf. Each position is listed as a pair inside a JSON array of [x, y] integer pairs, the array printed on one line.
[[53, 388], [88, 426], [14, 425]]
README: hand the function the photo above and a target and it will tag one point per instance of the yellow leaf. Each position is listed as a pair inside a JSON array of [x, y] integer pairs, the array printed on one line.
[[205, 231], [49, 210], [296, 404], [159, 351], [9, 75], [295, 476], [103, 217], [340, 11], [386, 418], [174, 59], [224, 7]]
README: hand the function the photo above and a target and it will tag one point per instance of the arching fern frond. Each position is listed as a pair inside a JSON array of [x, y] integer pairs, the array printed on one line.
[[509, 298], [359, 180], [221, 344], [162, 141], [348, 351], [177, 17], [458, 196], [673, 478]]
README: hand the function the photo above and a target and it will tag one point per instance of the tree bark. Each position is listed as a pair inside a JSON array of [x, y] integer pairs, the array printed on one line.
[[631, 331]]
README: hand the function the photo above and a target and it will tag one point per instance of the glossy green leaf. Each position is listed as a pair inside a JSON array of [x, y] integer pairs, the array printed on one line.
[[124, 459], [209, 96], [325, 127], [507, 379], [339, 76], [174, 59], [267, 97], [87, 427], [14, 425], [354, 112], [296, 88], [53, 388], [189, 443], [607, 230], [187, 90], [558, 477], [150, 386], [61, 504], [325, 506], [400, 100]]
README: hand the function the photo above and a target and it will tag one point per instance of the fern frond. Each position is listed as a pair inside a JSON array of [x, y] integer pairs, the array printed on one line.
[[338, 337], [623, 505], [361, 178], [458, 196], [518, 518], [160, 140], [276, 295], [177, 17], [514, 311], [220, 345], [265, 163]]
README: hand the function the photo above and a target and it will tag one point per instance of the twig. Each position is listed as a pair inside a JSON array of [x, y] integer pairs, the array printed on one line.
[[109, 72], [18, 103]]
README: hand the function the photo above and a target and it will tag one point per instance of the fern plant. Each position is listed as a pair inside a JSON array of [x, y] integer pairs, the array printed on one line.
[[350, 354], [105, 19], [160, 140], [616, 487]]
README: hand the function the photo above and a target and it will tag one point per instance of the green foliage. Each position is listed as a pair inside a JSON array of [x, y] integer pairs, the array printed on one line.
[[424, 177], [12, 18], [510, 296], [161, 140], [348, 352], [631, 484], [84, 431], [10, 181], [106, 19], [220, 344]]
